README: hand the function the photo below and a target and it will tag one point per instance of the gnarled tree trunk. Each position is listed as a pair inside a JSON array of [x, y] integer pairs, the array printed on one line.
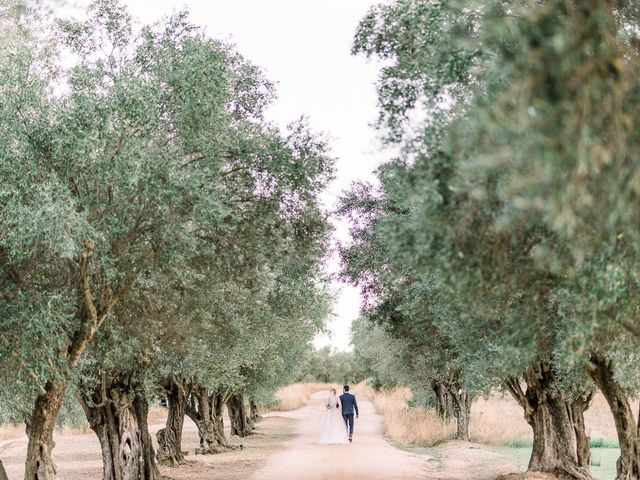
[[240, 423], [576, 415], [628, 465], [118, 416], [141, 407], [170, 437], [555, 440], [445, 402], [461, 411], [254, 414], [91, 316], [555, 447], [205, 409], [39, 464]]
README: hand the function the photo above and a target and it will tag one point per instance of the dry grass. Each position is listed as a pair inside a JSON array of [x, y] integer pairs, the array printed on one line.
[[8, 432], [527, 476], [68, 431], [410, 426], [599, 420], [297, 395], [363, 390], [496, 420], [157, 415]]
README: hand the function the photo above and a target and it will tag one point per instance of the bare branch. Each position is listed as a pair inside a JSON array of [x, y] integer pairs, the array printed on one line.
[[513, 387]]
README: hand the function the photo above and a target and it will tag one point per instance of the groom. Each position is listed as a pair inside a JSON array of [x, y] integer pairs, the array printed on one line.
[[349, 406]]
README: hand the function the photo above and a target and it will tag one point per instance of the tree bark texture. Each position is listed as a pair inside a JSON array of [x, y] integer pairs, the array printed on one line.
[[461, 411], [557, 424], [118, 416], [91, 316], [254, 415], [445, 402], [576, 415], [601, 371], [205, 408], [39, 464], [240, 422], [170, 437]]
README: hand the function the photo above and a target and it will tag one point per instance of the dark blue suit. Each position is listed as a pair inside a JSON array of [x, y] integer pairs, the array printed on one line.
[[349, 406]]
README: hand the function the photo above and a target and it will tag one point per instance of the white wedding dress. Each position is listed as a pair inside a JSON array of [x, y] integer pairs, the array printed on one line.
[[334, 430]]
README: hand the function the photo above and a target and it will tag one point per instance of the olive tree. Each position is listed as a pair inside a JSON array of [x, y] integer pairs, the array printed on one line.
[[561, 124], [115, 171], [448, 243]]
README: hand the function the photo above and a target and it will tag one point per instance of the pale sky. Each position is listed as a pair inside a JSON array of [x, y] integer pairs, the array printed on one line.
[[304, 47]]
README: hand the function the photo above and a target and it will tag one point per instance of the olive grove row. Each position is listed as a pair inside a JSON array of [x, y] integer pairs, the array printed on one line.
[[158, 237], [500, 247]]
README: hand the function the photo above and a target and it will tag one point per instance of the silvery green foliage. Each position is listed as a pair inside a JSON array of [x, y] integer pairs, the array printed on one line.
[[448, 240], [150, 154], [556, 135], [571, 73], [428, 51], [329, 366]]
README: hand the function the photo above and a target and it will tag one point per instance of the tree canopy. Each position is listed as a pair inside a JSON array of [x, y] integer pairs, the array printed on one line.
[[500, 245], [156, 230]]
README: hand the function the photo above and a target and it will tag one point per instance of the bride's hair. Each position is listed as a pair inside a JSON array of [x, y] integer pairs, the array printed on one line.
[[333, 390]]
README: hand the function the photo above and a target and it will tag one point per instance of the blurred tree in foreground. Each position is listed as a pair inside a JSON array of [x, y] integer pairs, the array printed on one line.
[[502, 240]]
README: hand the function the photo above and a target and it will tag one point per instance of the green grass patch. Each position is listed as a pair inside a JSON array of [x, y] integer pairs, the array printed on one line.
[[520, 443], [602, 443], [595, 443], [603, 460]]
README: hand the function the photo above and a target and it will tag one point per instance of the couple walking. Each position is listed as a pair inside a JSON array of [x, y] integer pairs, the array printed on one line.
[[340, 417]]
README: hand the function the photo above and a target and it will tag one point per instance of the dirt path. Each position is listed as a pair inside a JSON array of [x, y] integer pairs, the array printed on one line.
[[369, 457], [77, 457], [284, 447]]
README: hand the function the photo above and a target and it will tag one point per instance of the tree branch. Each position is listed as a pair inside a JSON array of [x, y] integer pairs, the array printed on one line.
[[86, 287], [513, 387]]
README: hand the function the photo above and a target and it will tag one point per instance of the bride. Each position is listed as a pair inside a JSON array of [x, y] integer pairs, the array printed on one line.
[[334, 430]]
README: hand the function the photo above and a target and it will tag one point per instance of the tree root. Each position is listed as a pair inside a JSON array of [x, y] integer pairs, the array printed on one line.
[[215, 450]]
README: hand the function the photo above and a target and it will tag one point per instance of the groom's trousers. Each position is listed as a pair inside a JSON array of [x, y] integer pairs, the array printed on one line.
[[348, 421]]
